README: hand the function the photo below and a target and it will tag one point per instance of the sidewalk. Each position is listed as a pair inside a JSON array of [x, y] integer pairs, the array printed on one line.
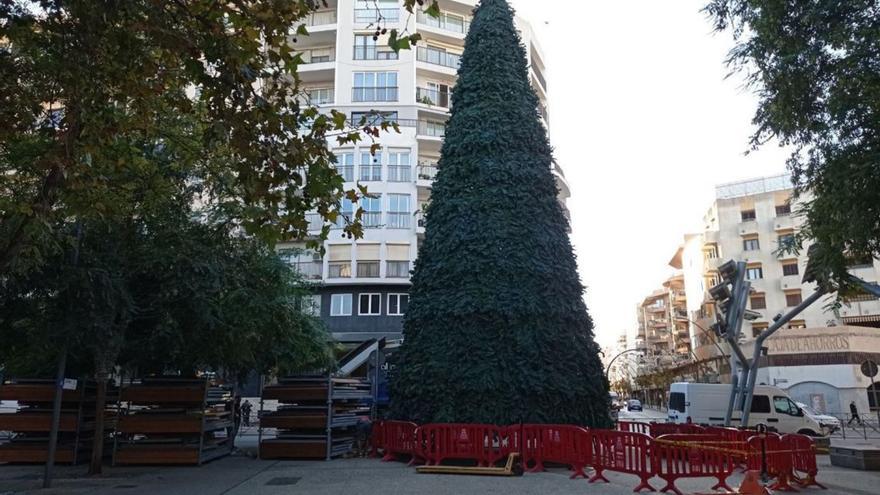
[[242, 475]]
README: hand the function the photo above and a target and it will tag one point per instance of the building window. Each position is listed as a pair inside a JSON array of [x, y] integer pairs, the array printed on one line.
[[368, 260], [758, 301], [790, 268], [797, 324], [368, 269], [751, 244], [339, 261], [397, 304], [369, 304], [371, 167], [366, 48], [346, 211], [345, 165], [754, 273], [340, 305], [432, 128], [785, 239], [793, 298], [397, 269], [372, 215], [374, 86], [398, 211], [399, 168], [710, 252], [757, 328], [783, 210], [748, 215]]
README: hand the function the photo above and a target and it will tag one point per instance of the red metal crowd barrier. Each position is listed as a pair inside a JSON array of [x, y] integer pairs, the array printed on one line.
[[622, 452], [398, 438], [485, 444], [561, 444], [682, 455], [778, 458], [735, 439], [634, 427], [803, 459]]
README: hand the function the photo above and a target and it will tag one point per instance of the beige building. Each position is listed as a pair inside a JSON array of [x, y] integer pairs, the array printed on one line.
[[746, 223], [663, 334]]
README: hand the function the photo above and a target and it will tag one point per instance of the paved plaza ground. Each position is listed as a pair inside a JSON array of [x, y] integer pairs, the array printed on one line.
[[243, 475]]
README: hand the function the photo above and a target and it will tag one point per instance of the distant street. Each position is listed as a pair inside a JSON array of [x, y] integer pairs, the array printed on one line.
[[645, 416]]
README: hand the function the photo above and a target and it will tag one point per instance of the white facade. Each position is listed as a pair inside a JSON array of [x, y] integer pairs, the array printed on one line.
[[349, 71]]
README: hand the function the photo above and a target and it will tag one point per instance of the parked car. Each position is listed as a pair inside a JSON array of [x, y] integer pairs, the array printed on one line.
[[634, 405], [828, 422], [706, 403]]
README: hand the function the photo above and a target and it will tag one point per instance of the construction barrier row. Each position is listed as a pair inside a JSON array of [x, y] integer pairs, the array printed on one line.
[[674, 452]]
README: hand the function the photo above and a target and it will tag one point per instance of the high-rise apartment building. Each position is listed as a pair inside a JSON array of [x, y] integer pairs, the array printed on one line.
[[747, 222], [363, 284]]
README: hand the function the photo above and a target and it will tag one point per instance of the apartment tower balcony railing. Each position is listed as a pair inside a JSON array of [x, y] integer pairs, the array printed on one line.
[[434, 97], [445, 22], [437, 56], [320, 18], [373, 16]]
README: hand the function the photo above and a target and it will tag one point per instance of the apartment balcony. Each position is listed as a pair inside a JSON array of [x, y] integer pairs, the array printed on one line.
[[365, 94], [790, 282], [310, 270], [445, 22], [539, 76], [785, 222], [431, 129], [748, 227], [318, 64], [434, 98], [438, 60], [544, 114], [321, 18], [376, 16], [373, 52], [711, 237]]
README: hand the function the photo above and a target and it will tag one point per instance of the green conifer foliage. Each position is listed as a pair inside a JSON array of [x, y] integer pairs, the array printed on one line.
[[497, 330]]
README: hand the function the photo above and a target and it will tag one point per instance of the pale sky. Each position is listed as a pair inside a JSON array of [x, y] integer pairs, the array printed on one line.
[[645, 125]]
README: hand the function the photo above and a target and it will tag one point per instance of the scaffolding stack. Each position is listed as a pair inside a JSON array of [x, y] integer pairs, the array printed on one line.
[[27, 429], [316, 417], [172, 420]]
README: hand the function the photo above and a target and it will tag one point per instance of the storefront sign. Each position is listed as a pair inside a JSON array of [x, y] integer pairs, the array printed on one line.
[[808, 343]]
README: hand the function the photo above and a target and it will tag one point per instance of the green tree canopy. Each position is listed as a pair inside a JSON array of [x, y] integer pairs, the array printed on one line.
[[816, 69], [85, 84], [497, 330]]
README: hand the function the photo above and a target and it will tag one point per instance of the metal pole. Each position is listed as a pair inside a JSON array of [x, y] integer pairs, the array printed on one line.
[[733, 383], [759, 344], [56, 418], [876, 404]]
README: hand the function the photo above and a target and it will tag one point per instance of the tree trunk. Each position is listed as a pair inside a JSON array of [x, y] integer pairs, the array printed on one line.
[[96, 465]]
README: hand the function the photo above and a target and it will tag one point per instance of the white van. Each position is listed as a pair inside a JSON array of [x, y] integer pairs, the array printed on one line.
[[706, 403]]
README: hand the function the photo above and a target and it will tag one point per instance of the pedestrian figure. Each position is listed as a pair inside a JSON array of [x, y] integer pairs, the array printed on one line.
[[854, 414], [363, 430], [246, 413]]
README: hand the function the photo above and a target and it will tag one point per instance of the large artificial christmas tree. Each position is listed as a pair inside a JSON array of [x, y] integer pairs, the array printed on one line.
[[497, 330]]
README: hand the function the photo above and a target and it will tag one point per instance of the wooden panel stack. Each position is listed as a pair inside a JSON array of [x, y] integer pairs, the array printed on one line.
[[173, 421], [28, 427], [315, 419]]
